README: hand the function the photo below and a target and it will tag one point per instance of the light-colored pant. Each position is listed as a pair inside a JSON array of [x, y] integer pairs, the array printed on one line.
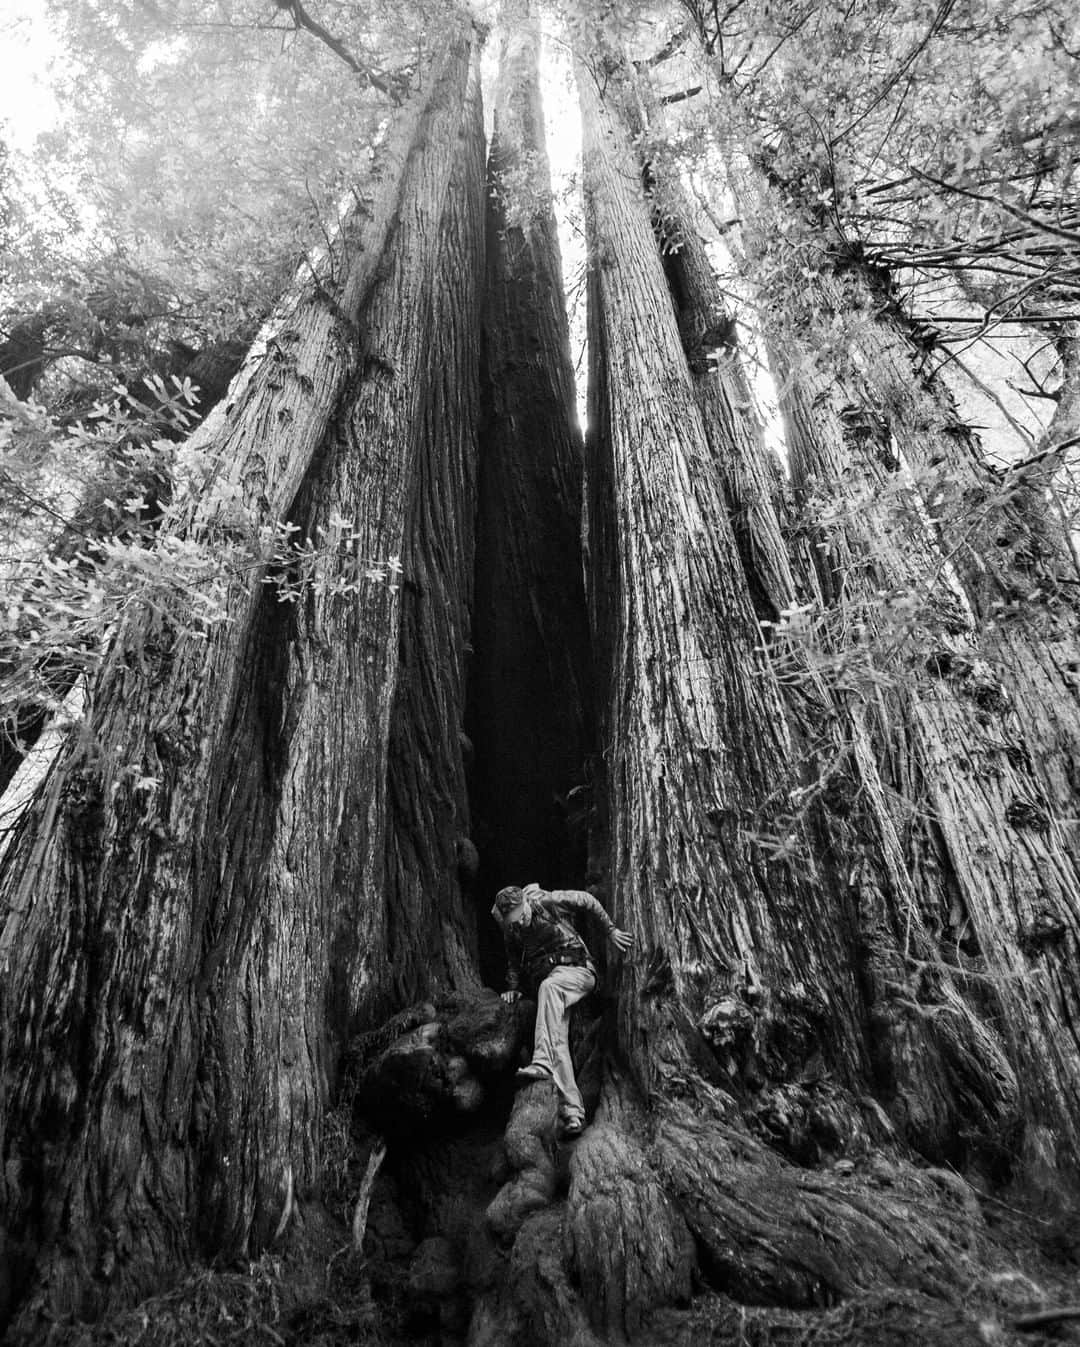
[[563, 987]]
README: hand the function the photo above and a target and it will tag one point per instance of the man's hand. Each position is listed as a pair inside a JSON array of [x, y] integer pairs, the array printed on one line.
[[622, 940], [510, 997]]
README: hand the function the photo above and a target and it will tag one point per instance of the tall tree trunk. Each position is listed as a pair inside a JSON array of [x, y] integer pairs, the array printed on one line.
[[693, 788], [940, 1072], [324, 913], [529, 692], [1010, 546], [174, 896], [431, 858]]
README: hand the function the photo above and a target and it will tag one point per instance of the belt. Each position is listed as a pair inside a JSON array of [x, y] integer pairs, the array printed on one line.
[[562, 959]]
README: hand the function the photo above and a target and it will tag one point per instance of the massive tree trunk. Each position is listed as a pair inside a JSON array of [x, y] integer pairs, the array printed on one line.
[[1004, 533], [1009, 799], [325, 915], [694, 790], [999, 897], [213, 845], [431, 858], [529, 693], [940, 1073]]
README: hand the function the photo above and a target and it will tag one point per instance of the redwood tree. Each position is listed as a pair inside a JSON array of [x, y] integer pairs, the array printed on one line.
[[196, 852], [922, 553], [740, 1015]]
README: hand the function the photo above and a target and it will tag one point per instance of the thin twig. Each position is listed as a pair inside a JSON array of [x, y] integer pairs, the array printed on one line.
[[1025, 434], [1042, 225]]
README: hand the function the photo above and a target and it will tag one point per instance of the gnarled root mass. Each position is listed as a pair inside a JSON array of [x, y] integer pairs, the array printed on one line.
[[675, 1221], [670, 1222]]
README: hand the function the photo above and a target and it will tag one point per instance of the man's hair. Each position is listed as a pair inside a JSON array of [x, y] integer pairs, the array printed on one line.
[[507, 899]]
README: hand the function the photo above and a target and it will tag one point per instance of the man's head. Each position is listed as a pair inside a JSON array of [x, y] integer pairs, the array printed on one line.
[[512, 905]]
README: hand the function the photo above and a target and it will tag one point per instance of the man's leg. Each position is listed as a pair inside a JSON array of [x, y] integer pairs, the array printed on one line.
[[562, 988]]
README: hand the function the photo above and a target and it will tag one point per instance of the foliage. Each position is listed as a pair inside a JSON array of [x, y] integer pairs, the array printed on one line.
[[196, 157], [122, 548], [935, 144], [197, 154]]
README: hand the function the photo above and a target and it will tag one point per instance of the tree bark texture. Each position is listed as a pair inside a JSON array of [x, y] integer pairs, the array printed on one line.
[[988, 888], [1006, 535], [213, 842], [320, 957], [723, 927], [1020, 777], [529, 692], [749, 470], [934, 1070], [431, 859]]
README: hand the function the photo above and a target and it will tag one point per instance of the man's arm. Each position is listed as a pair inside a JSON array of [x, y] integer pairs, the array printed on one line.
[[577, 900], [512, 947]]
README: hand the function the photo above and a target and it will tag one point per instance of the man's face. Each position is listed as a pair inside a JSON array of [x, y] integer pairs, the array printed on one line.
[[520, 916]]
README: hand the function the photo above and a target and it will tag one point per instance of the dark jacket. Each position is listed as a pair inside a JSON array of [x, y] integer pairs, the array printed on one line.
[[550, 940]]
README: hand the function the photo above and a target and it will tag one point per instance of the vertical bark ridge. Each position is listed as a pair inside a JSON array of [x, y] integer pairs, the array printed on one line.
[[750, 473], [938, 1063], [1010, 797], [529, 695], [316, 959], [922, 592], [430, 856], [1007, 542]]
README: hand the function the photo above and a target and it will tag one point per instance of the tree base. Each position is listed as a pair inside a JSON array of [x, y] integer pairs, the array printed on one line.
[[663, 1225]]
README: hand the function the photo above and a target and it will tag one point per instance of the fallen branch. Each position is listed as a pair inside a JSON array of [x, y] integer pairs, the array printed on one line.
[[363, 1201]]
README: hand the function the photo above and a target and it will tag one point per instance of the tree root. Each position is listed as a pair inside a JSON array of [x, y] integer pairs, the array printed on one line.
[[773, 1234], [626, 1240], [529, 1142], [664, 1209]]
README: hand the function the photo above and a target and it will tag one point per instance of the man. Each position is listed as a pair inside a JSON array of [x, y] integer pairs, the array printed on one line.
[[543, 948]]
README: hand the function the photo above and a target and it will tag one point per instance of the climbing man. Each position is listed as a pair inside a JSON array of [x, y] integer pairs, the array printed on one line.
[[543, 946]]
